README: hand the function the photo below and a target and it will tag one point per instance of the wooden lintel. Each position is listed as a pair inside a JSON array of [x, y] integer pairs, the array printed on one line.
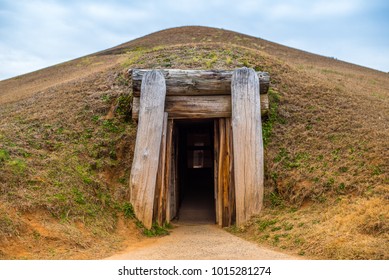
[[195, 82], [197, 107]]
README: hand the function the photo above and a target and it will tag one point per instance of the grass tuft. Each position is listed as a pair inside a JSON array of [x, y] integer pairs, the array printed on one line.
[[272, 118], [128, 210]]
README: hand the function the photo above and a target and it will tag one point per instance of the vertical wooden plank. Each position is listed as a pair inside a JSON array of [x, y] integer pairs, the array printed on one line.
[[168, 171], [247, 144], [224, 170], [176, 192], [220, 172], [231, 175], [173, 198], [223, 176], [216, 166], [172, 187], [147, 146], [226, 175], [156, 194], [160, 185]]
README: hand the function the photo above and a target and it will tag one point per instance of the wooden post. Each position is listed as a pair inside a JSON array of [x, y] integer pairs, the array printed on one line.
[[216, 169], [168, 170], [173, 180], [160, 187], [231, 177], [247, 144], [227, 198], [224, 192], [221, 170], [176, 182], [147, 146]]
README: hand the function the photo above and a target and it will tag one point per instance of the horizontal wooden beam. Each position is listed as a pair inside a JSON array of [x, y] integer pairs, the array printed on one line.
[[195, 82], [199, 107]]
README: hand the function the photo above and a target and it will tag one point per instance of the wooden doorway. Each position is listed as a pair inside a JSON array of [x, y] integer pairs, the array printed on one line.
[[174, 102], [201, 188], [196, 171]]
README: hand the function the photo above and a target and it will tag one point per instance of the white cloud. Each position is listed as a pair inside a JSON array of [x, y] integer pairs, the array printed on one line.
[[299, 10], [335, 8], [16, 62], [193, 7], [312, 10], [258, 7], [360, 54], [114, 13]]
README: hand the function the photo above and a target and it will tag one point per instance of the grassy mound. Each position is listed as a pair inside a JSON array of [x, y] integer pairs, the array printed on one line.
[[66, 143]]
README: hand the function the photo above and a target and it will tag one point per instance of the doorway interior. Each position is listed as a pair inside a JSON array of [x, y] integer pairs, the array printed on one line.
[[196, 175]]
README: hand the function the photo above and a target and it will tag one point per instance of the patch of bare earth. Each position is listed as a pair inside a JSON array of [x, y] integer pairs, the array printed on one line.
[[40, 236], [199, 242]]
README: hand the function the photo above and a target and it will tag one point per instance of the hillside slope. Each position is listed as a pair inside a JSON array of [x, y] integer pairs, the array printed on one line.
[[66, 143]]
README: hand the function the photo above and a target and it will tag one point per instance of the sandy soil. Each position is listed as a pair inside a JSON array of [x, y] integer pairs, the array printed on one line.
[[198, 242]]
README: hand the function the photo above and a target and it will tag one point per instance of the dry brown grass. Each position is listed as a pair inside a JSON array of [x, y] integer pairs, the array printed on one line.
[[345, 228], [66, 145]]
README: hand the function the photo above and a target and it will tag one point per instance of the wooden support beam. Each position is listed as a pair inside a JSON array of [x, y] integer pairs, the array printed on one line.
[[216, 139], [147, 146], [224, 192], [169, 172], [232, 205], [224, 177], [247, 144], [176, 181], [228, 203], [220, 185], [197, 107], [160, 187], [195, 82]]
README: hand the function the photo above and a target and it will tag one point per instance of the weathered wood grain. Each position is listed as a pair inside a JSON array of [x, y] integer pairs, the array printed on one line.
[[195, 82], [160, 187], [232, 212], [221, 166], [173, 195], [147, 146], [197, 107], [216, 171], [224, 196], [176, 190], [169, 169], [224, 171], [247, 144], [227, 162]]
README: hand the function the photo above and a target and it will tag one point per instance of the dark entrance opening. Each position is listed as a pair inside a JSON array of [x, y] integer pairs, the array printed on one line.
[[196, 171]]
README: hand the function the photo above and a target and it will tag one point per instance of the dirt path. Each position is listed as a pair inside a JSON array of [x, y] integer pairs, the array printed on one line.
[[198, 242]]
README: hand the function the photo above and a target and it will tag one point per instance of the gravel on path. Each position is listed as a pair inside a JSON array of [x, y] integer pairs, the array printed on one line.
[[198, 242]]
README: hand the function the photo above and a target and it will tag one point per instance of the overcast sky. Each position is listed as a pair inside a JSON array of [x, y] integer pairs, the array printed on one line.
[[39, 33]]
